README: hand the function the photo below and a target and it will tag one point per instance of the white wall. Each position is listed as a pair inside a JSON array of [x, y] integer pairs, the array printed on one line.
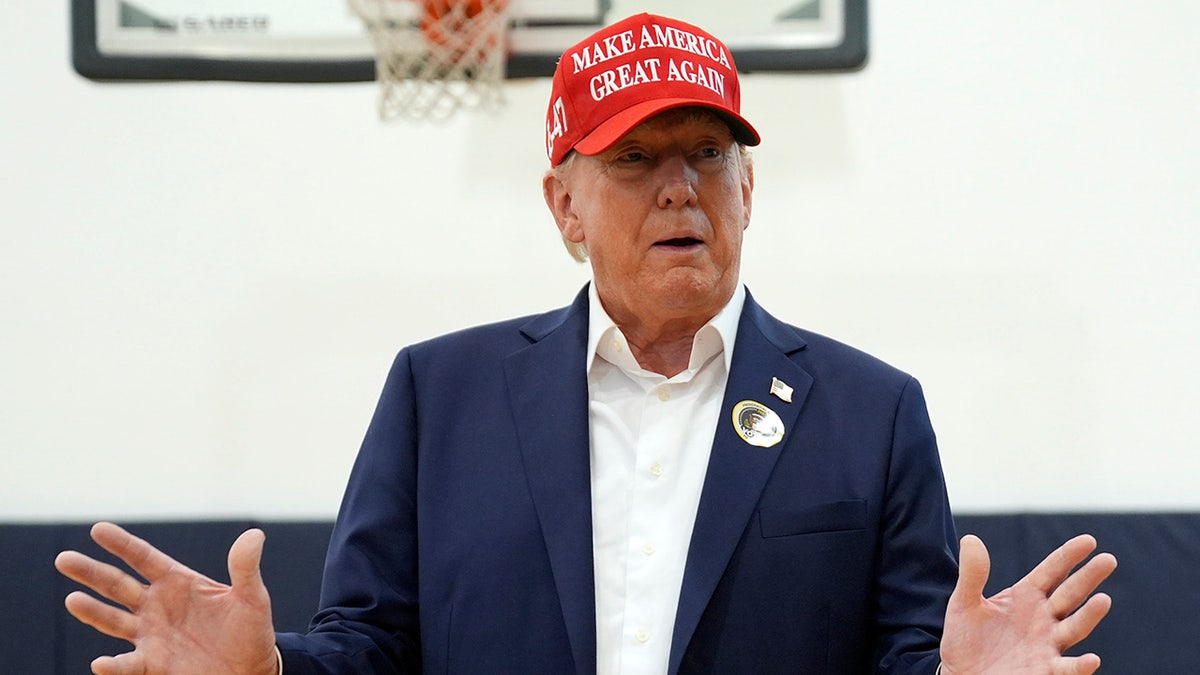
[[204, 283]]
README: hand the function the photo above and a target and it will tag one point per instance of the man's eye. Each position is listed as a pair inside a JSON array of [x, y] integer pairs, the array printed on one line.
[[633, 156], [710, 153]]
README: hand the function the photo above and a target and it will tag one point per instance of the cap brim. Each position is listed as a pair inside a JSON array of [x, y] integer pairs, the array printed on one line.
[[612, 129]]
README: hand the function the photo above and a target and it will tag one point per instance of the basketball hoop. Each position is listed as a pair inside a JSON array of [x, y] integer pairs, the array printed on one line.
[[433, 57]]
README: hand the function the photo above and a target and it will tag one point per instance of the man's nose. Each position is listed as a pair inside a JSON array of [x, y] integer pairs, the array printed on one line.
[[677, 181]]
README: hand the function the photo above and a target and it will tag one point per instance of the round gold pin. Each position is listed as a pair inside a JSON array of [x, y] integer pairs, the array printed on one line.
[[757, 424]]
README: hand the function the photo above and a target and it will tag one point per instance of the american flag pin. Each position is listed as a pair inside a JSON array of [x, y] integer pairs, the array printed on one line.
[[779, 388]]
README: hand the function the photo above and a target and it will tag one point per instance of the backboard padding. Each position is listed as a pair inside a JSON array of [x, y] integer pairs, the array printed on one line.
[[322, 41]]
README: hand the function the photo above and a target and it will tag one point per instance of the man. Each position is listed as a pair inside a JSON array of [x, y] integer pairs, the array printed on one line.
[[659, 478]]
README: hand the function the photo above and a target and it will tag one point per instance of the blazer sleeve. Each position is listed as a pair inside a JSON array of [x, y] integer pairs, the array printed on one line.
[[917, 556], [368, 617]]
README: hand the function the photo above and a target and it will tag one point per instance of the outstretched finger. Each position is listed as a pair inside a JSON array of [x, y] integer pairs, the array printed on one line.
[[245, 557], [1055, 567], [105, 579], [974, 566], [103, 617], [129, 663], [1073, 629], [1077, 665], [146, 560], [1072, 592]]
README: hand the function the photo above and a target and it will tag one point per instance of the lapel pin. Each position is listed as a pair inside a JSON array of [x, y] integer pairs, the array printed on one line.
[[757, 424], [780, 389]]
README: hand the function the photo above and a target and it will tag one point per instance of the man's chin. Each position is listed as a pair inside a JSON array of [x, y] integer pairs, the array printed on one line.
[[683, 288]]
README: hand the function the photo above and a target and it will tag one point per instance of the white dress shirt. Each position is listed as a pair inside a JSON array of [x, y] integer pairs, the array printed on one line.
[[650, 441]]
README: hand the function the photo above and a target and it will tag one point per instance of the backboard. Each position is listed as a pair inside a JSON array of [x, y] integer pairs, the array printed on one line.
[[323, 41]]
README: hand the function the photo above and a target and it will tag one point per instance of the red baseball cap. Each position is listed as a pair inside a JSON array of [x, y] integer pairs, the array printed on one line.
[[630, 71]]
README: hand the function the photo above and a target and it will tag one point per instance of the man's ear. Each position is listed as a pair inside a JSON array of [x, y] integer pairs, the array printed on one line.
[[558, 199], [747, 192]]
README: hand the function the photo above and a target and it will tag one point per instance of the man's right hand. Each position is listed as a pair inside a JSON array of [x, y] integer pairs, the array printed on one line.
[[182, 622]]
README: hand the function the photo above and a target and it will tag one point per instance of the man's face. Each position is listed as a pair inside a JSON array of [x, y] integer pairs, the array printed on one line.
[[661, 214]]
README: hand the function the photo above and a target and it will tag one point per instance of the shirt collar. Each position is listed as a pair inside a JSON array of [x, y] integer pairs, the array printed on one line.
[[716, 336]]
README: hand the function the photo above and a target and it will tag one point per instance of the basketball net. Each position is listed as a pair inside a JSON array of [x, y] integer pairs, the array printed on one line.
[[434, 57]]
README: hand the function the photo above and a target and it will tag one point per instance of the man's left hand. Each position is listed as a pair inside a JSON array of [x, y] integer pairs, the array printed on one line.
[[1026, 628]]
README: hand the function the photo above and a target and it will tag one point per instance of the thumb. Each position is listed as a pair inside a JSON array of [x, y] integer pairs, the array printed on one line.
[[244, 558], [974, 565]]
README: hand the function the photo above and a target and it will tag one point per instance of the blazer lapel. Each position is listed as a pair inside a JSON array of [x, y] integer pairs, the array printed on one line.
[[547, 384], [738, 471]]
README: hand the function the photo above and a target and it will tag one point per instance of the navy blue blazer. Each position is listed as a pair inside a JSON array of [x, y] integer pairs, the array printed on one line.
[[464, 541]]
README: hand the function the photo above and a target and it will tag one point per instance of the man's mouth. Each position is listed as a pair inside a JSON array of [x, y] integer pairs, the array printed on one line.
[[679, 242]]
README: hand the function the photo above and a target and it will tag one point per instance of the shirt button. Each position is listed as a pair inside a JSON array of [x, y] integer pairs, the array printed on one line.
[[616, 345], [648, 549], [642, 636], [656, 469], [664, 394]]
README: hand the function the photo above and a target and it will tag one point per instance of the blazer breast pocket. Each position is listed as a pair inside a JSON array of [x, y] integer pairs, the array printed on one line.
[[842, 516]]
